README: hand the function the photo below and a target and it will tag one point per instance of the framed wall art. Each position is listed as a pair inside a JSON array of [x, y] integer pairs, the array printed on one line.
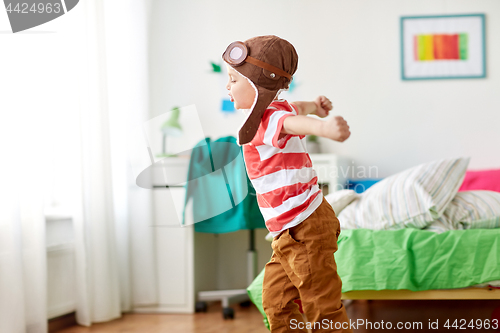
[[443, 47]]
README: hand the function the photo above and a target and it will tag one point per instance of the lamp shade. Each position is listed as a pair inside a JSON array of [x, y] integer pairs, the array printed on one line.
[[172, 126]]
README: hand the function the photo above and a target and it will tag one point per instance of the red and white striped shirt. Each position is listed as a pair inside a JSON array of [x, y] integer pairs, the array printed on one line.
[[281, 171]]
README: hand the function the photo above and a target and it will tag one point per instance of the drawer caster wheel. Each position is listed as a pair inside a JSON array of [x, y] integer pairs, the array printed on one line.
[[200, 307], [228, 313]]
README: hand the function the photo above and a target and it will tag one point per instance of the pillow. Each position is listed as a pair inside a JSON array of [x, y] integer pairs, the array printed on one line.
[[481, 180], [413, 198], [442, 224], [470, 210], [340, 199], [475, 210]]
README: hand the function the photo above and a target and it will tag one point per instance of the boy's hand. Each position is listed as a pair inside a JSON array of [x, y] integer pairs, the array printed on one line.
[[335, 128], [323, 106]]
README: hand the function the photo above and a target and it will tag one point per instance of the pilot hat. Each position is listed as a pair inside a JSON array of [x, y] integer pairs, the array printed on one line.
[[269, 63]]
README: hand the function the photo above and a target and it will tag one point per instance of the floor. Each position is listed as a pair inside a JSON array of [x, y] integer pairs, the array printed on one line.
[[415, 314], [247, 320]]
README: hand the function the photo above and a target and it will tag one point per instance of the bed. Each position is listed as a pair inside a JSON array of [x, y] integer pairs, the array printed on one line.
[[414, 235]]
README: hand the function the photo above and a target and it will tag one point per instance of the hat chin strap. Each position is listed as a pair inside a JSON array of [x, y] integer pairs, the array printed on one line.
[[266, 66]]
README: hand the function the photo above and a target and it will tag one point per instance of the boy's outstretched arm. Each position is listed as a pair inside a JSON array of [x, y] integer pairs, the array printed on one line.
[[320, 107], [335, 128]]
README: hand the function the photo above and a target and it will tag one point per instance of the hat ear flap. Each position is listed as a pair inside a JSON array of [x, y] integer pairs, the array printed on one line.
[[251, 125]]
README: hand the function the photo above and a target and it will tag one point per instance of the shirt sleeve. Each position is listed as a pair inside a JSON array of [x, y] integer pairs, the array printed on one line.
[[272, 123]]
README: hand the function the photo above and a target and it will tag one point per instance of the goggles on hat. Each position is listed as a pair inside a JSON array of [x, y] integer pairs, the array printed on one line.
[[237, 53]]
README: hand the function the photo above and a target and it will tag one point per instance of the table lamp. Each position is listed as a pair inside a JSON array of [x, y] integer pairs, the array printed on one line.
[[170, 127]]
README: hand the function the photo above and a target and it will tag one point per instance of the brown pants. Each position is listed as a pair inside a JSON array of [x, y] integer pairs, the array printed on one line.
[[303, 266]]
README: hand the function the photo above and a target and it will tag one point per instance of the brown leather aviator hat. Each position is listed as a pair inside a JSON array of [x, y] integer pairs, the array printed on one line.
[[269, 63]]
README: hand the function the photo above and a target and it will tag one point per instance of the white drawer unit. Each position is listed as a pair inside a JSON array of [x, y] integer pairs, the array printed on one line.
[[61, 279], [173, 243], [174, 252]]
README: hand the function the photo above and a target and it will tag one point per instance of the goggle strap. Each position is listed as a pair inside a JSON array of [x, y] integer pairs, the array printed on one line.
[[267, 66]]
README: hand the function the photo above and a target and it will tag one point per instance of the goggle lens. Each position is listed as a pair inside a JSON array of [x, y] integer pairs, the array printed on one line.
[[236, 53]]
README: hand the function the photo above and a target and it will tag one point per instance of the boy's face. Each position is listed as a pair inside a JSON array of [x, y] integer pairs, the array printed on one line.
[[240, 90]]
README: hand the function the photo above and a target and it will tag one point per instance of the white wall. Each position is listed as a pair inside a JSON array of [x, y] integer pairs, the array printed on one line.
[[348, 51]]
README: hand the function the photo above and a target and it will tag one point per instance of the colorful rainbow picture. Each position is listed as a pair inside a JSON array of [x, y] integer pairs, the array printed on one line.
[[441, 47]]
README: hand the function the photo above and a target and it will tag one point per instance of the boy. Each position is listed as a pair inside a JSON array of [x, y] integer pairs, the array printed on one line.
[[303, 224]]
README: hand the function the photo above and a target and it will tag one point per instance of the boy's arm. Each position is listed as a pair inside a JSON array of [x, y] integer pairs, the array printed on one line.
[[305, 108], [319, 107], [335, 128]]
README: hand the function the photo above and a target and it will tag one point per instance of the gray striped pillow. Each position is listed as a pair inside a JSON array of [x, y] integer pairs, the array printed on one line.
[[413, 198]]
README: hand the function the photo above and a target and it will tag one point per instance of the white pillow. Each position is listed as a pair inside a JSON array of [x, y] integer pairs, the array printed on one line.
[[413, 198], [475, 210], [470, 210], [340, 199]]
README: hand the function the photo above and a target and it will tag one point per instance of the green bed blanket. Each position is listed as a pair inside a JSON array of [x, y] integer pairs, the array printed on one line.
[[410, 259]]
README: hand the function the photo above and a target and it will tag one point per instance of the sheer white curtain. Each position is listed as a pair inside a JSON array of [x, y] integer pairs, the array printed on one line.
[[23, 282], [126, 26], [27, 113], [73, 102], [115, 257]]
